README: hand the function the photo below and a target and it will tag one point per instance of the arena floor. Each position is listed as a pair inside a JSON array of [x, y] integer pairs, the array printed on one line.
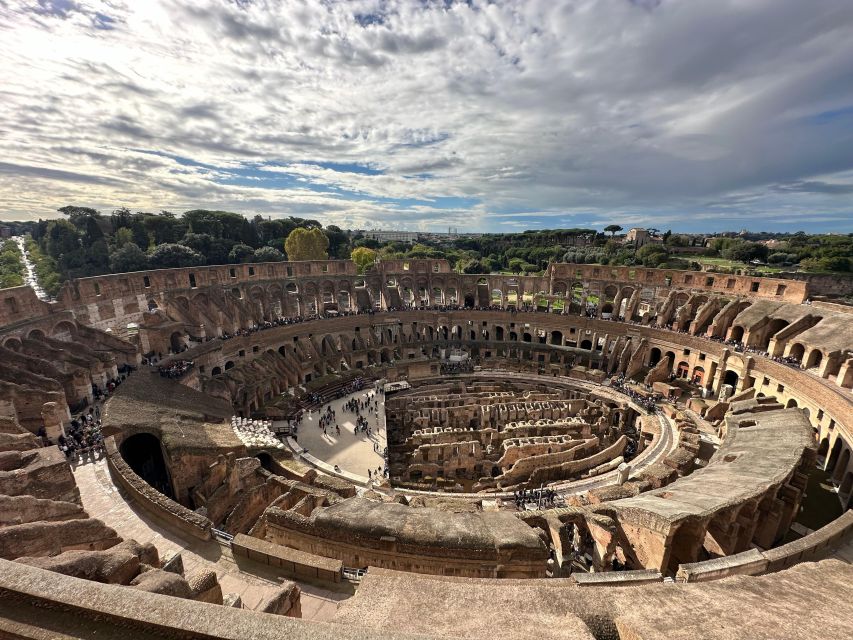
[[350, 451]]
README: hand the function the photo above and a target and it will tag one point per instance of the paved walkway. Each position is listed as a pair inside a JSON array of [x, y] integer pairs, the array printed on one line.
[[352, 452], [103, 500]]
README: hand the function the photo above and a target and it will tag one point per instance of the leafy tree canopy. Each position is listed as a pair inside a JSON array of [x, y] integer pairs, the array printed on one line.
[[363, 258], [268, 254], [307, 244], [128, 258], [241, 253], [167, 256]]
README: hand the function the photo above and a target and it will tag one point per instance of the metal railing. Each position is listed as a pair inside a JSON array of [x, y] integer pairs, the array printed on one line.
[[353, 575], [222, 536]]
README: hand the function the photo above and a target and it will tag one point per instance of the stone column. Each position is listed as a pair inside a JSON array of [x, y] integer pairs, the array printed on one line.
[[53, 418]]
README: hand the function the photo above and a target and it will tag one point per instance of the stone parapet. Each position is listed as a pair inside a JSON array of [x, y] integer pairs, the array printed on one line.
[[152, 501], [293, 562]]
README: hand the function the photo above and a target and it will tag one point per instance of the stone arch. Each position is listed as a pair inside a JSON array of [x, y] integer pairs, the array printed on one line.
[[698, 375], [832, 461], [229, 365], [682, 369], [64, 330], [469, 300], [556, 338], [577, 292], [737, 333], [841, 467], [143, 452], [35, 334], [654, 356], [797, 351], [731, 378], [13, 343], [344, 300], [266, 460], [586, 344], [774, 327], [847, 483], [216, 371], [176, 342], [792, 404], [814, 359]]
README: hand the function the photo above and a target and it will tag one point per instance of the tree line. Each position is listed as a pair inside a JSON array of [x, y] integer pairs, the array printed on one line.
[[85, 242]]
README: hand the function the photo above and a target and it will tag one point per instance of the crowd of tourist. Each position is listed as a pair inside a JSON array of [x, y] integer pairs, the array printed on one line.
[[175, 369], [339, 392], [83, 439], [740, 347], [457, 367], [545, 497], [646, 401]]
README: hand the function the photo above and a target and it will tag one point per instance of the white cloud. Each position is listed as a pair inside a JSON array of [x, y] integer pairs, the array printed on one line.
[[572, 112]]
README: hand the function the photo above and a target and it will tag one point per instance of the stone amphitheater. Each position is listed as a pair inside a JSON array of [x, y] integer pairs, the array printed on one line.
[[608, 453]]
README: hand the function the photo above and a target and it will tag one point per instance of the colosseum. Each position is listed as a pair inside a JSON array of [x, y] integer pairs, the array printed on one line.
[[295, 450]]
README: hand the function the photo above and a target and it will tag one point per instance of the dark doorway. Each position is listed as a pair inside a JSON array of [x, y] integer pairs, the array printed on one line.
[[144, 455]]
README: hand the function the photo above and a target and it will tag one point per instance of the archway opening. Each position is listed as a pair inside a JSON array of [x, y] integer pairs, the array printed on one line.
[[266, 461], [737, 334], [814, 360], [833, 456], [731, 378], [176, 342], [654, 356], [144, 454], [797, 351]]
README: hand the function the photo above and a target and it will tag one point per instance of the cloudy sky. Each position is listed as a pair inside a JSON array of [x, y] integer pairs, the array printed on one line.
[[489, 116]]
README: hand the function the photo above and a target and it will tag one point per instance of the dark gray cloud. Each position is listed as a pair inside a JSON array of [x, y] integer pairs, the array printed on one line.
[[27, 171]]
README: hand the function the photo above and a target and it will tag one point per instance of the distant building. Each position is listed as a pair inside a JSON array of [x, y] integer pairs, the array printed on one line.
[[415, 236], [640, 237], [392, 236]]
